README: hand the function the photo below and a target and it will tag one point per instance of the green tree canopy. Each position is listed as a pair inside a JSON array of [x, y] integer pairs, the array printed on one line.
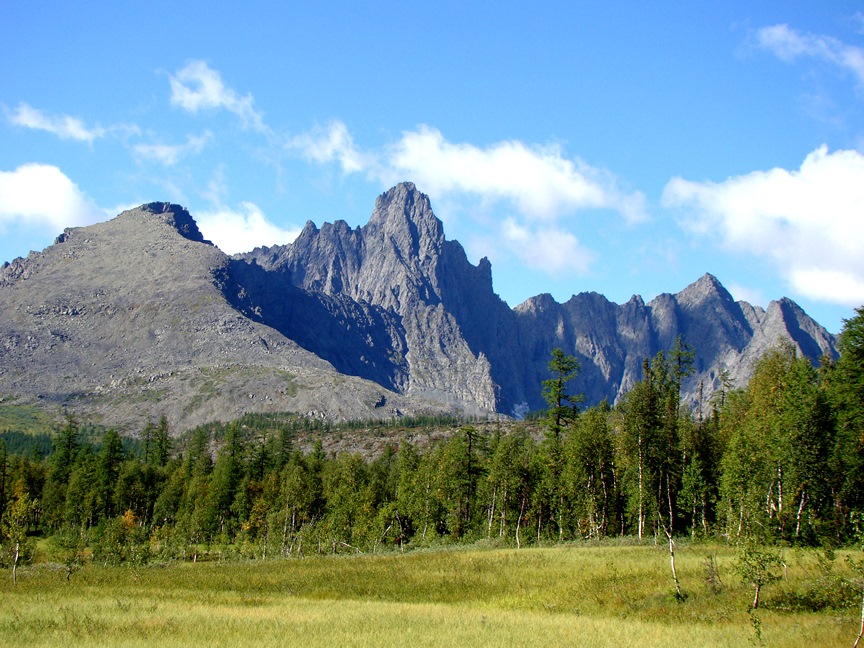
[[562, 405]]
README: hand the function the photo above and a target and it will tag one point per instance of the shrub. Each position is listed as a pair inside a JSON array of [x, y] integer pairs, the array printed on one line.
[[122, 540]]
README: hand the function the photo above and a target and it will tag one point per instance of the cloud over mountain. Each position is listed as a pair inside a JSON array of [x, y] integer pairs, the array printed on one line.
[[240, 230], [170, 154], [807, 222], [63, 126], [197, 86], [538, 186], [42, 196]]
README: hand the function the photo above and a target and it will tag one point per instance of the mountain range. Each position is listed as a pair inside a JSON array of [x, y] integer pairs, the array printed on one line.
[[140, 316]]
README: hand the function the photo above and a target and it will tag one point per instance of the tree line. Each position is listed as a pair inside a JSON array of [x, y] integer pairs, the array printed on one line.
[[779, 461]]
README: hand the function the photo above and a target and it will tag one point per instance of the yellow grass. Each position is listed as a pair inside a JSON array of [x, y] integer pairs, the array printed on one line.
[[582, 596]]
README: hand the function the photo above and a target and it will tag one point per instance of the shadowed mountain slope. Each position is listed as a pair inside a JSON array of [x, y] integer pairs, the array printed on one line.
[[139, 316], [461, 339], [128, 319]]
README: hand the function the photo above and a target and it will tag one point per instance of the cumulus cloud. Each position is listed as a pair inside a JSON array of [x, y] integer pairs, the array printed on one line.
[[539, 185], [332, 143], [241, 230], [809, 222], [63, 126], [550, 249], [789, 44], [539, 181], [199, 87], [170, 154], [41, 195]]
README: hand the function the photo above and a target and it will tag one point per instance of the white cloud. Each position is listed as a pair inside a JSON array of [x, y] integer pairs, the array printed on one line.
[[199, 87], [809, 222], [40, 195], [831, 285], [550, 249], [169, 154], [241, 230], [538, 183], [790, 44], [63, 126], [333, 143], [538, 180]]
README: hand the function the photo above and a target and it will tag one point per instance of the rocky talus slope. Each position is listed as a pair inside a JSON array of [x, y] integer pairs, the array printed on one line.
[[139, 316]]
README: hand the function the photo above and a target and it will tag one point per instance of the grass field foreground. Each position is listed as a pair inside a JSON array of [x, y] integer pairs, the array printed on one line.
[[573, 595]]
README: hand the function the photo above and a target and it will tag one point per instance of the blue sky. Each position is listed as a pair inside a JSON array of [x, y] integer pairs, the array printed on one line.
[[618, 147]]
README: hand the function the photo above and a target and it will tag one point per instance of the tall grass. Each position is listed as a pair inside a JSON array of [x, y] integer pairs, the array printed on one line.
[[574, 595]]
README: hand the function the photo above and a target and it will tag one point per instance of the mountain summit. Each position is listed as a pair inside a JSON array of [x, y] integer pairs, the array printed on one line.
[[399, 264], [140, 316], [463, 341]]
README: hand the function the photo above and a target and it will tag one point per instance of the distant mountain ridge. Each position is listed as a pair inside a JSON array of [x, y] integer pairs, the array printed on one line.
[[140, 316], [402, 263]]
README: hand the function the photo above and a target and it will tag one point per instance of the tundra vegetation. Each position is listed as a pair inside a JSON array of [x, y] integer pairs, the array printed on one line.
[[740, 521]]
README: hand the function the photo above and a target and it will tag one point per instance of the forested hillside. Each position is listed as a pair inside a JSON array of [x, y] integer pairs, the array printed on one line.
[[781, 460]]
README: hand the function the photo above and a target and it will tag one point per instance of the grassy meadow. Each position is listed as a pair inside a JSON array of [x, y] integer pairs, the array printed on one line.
[[583, 595]]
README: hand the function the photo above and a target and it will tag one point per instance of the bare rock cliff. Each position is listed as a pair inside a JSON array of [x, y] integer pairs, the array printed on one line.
[[140, 316], [133, 318], [459, 340]]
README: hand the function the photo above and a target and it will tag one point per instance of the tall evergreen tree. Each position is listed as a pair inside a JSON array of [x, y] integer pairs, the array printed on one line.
[[108, 469], [681, 360], [147, 438], [66, 446], [81, 504], [563, 409], [562, 406], [157, 443], [224, 482], [640, 411], [845, 391]]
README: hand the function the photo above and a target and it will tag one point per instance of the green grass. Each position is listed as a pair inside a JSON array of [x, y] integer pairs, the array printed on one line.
[[574, 595], [26, 418]]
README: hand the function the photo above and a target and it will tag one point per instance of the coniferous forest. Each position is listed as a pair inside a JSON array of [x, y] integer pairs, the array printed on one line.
[[780, 461]]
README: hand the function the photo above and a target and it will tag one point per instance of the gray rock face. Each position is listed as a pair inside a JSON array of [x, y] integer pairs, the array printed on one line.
[[458, 340], [611, 341], [400, 266], [139, 316]]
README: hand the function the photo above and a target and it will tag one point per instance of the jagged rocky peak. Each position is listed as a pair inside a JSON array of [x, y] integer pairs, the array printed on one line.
[[483, 271], [340, 227], [542, 303], [811, 338], [392, 301], [635, 303], [174, 215], [706, 288], [309, 229], [404, 210]]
